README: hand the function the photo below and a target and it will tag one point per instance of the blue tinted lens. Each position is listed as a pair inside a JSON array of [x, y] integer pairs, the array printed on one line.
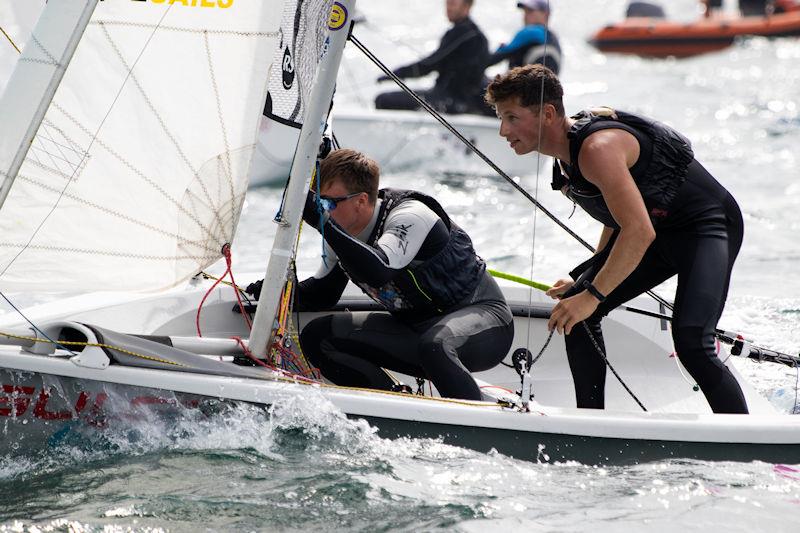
[[327, 204]]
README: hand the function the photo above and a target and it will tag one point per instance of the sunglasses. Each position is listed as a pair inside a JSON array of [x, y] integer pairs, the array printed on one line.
[[328, 203]]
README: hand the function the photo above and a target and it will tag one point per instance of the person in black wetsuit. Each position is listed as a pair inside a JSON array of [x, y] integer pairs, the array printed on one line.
[[748, 8], [663, 214], [459, 60], [446, 316], [534, 43]]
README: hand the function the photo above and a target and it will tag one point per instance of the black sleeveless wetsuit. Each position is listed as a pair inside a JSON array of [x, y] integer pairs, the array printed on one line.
[[699, 231]]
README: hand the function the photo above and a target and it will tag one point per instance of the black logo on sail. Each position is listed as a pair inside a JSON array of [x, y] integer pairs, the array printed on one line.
[[288, 69]]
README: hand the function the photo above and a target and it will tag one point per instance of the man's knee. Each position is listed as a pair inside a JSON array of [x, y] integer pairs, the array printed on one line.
[[313, 334], [431, 343], [694, 345]]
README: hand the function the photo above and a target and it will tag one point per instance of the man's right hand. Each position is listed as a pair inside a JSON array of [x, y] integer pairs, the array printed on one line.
[[559, 288]]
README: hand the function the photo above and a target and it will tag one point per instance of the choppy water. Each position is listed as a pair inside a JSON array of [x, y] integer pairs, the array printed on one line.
[[307, 467]]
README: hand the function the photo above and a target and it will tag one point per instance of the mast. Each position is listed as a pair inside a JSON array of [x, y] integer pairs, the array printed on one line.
[[35, 80], [304, 162]]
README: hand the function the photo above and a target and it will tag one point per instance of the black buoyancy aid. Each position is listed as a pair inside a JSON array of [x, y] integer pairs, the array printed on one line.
[[660, 171], [433, 286]]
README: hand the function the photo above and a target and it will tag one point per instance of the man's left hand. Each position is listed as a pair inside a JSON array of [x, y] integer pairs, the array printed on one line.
[[311, 211], [570, 311]]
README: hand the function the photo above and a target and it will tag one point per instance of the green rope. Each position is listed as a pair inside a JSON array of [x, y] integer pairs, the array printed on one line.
[[518, 279]]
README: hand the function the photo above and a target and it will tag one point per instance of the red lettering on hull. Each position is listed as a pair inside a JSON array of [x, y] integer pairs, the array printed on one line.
[[19, 398], [15, 401], [40, 410]]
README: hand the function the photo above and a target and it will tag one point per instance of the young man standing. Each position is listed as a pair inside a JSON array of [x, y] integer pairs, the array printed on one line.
[[662, 213]]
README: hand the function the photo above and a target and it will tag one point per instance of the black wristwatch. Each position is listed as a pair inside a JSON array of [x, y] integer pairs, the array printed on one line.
[[593, 290]]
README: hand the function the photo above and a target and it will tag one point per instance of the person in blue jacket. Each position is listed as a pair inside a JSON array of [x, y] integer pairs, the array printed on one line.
[[535, 43]]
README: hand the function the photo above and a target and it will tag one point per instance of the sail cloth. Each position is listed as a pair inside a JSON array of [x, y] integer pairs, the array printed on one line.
[[137, 175], [293, 67], [17, 18], [294, 64]]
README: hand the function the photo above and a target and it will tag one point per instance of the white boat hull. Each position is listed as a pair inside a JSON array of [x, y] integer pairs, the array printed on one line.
[[46, 396], [52, 402]]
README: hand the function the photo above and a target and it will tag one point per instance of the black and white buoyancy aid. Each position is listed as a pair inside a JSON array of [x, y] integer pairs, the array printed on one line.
[[661, 169], [433, 286]]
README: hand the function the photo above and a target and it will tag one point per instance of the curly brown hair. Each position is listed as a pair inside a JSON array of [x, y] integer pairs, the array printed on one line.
[[356, 171], [532, 84]]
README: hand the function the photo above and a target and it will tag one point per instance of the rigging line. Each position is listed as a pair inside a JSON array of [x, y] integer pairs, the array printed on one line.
[[10, 40], [35, 328], [463, 139], [435, 114], [610, 367], [88, 148], [535, 211]]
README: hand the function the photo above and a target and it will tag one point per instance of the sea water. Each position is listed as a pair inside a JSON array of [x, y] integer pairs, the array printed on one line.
[[306, 467]]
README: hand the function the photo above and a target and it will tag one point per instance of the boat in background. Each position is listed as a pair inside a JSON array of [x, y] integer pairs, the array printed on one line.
[[398, 141], [658, 37]]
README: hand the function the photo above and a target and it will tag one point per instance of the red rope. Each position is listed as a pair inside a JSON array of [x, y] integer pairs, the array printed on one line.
[[226, 252], [200, 307]]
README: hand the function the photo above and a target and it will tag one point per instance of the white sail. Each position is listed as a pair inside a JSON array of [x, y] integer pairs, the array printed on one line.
[[137, 175], [17, 18]]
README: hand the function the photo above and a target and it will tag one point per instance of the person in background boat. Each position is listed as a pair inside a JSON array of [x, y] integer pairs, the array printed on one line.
[[748, 8], [534, 43], [644, 9], [459, 60], [446, 316], [662, 213]]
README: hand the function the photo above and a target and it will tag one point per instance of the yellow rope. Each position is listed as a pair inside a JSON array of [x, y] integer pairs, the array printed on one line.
[[10, 40], [94, 344], [277, 378]]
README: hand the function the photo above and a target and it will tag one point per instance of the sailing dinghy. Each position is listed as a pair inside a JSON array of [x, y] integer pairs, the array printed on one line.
[[126, 143]]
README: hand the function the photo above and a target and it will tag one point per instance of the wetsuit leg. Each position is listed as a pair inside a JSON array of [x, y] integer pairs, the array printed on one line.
[[704, 273], [471, 339], [583, 348], [351, 348], [703, 265]]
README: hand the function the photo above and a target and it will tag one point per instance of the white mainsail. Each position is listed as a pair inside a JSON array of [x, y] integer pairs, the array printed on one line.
[[136, 177], [17, 19]]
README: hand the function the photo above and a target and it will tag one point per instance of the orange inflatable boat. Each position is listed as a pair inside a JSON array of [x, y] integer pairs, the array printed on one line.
[[655, 37]]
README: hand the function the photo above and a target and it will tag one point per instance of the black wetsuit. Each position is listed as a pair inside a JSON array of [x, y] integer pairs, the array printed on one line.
[[447, 316], [699, 231], [753, 8], [460, 61], [748, 8], [533, 44]]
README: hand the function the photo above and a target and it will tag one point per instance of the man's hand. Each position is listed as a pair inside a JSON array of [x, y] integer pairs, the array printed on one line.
[[571, 311], [559, 288], [255, 288], [310, 210]]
